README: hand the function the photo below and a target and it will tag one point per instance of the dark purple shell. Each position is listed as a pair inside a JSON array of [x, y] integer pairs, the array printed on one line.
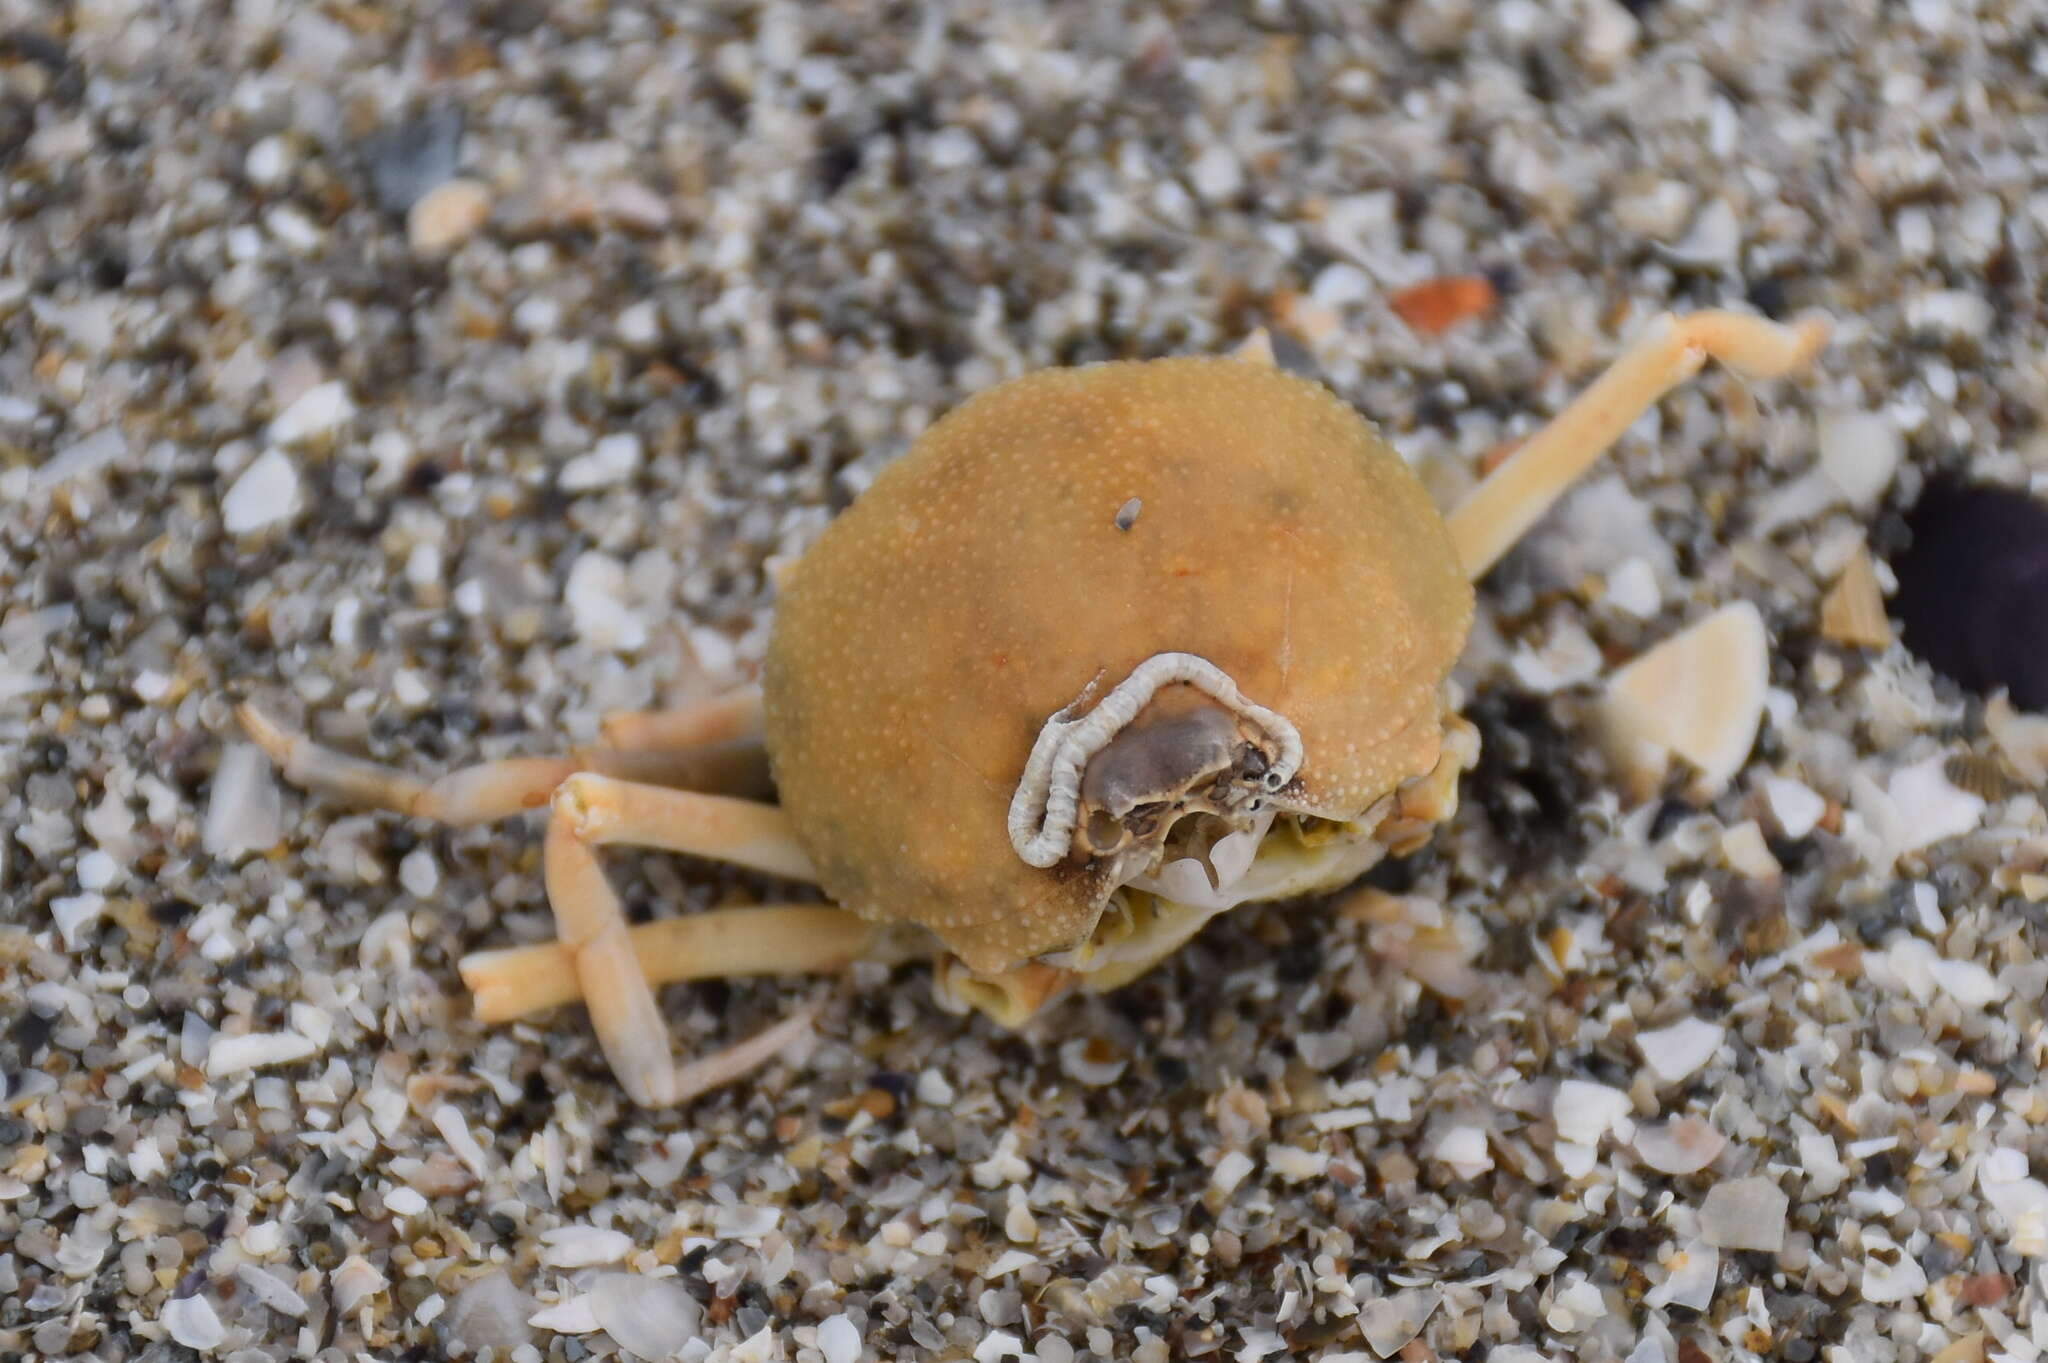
[[1973, 588]]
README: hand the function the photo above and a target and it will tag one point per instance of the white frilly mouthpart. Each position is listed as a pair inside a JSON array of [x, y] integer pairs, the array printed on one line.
[[1186, 880]]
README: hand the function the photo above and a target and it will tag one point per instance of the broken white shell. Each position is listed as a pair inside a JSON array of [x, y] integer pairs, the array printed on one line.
[[651, 1317], [1685, 1145], [2022, 737], [1699, 694], [192, 1322]]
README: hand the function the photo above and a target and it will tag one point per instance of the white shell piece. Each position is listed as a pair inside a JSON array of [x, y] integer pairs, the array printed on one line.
[[651, 1317], [1699, 695]]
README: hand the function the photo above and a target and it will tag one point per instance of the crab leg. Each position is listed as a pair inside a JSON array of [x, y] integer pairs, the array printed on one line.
[[1502, 508], [713, 746], [592, 811], [738, 832], [722, 719], [772, 939]]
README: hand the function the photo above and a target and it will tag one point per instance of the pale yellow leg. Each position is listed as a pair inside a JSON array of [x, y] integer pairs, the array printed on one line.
[[722, 719], [593, 811], [714, 746], [1502, 508], [738, 832], [772, 939], [597, 956]]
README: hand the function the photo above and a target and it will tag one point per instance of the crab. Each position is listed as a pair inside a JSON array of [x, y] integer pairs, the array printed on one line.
[[1109, 651]]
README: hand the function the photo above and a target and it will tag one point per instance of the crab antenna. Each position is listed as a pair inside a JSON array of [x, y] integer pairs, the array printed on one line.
[[1671, 350]]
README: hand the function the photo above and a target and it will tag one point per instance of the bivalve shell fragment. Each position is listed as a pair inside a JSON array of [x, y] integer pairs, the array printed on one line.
[[1699, 695], [1852, 613]]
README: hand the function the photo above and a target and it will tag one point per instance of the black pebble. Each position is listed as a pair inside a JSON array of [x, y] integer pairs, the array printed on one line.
[[30, 1033], [1973, 588]]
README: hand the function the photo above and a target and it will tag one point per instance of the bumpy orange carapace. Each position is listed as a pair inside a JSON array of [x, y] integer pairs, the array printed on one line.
[[988, 575]]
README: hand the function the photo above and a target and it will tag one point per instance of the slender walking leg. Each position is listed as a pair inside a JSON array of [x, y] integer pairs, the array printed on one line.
[[1501, 509]]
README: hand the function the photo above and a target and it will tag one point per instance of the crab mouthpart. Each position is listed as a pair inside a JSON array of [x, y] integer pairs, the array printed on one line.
[[1110, 784], [1183, 756], [1208, 866]]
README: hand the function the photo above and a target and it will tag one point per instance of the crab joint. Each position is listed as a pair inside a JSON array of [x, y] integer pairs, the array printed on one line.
[[1046, 806]]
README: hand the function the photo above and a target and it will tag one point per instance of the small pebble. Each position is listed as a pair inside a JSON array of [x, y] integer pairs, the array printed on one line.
[[86, 1190], [269, 162], [244, 808], [1230, 1171], [266, 493], [1794, 805], [1714, 242], [405, 1201], [595, 595], [1576, 1308], [1859, 452], [1950, 314], [1464, 1149], [419, 873], [1009, 1261], [1968, 983], [1632, 587], [315, 413], [640, 324], [97, 870], [1434, 306], [407, 160], [612, 460], [410, 689], [447, 215]]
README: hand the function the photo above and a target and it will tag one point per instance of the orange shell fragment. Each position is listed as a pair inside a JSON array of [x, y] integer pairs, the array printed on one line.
[[1436, 305], [986, 577]]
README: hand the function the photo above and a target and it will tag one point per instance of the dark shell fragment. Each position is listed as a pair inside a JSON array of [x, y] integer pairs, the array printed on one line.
[[1973, 588]]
